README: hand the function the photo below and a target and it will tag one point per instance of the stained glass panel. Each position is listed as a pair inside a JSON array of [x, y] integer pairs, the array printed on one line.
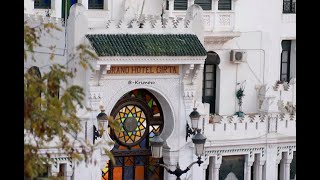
[[136, 130]]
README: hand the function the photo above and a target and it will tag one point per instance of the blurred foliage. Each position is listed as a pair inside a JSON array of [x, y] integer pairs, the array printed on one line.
[[51, 104]]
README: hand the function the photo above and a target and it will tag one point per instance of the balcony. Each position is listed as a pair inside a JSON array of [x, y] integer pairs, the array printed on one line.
[[214, 21]]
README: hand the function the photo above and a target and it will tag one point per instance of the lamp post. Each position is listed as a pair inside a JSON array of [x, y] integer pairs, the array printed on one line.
[[195, 117], [102, 119], [198, 140]]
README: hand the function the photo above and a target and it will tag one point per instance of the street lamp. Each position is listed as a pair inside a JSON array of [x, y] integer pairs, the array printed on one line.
[[102, 119], [198, 140], [195, 117]]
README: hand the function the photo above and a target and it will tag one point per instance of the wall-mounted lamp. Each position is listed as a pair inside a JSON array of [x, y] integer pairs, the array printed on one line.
[[102, 119], [195, 117], [157, 145]]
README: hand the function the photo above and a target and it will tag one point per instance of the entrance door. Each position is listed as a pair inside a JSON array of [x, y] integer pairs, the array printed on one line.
[[140, 116]]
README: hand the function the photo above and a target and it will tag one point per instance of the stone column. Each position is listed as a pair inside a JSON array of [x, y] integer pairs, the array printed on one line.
[[214, 167], [285, 166], [258, 167], [270, 164], [247, 166]]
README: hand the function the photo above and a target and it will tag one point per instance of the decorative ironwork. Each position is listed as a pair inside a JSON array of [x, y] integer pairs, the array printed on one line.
[[289, 6], [189, 132], [178, 171]]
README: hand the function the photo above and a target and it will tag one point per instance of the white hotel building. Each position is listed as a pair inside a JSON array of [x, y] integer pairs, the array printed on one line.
[[157, 61]]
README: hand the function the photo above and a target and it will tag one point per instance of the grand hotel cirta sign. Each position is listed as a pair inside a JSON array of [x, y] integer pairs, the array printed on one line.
[[159, 69]]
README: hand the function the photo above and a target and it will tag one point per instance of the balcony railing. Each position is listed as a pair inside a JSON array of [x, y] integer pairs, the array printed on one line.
[[289, 7], [214, 21]]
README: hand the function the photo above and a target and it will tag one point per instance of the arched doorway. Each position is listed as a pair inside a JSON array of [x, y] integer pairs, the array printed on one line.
[[140, 116]]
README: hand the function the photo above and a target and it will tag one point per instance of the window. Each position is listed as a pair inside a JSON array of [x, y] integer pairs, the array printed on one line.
[[42, 4], [205, 4], [96, 4], [209, 80], [179, 5], [140, 116], [289, 6], [285, 61], [224, 5]]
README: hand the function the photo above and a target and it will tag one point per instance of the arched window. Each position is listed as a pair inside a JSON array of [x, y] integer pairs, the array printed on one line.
[[209, 80], [140, 116], [95, 4], [53, 85], [42, 4]]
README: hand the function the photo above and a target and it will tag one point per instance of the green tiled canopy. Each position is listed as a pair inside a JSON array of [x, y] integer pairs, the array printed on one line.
[[146, 45]]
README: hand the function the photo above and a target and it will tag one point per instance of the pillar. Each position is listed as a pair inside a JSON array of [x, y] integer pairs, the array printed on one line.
[[214, 167], [285, 166], [271, 162], [249, 159], [258, 167]]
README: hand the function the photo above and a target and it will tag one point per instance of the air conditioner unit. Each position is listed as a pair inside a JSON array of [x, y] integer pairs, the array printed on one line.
[[237, 56]]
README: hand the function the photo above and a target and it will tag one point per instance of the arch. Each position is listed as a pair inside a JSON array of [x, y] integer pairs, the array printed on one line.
[[140, 116], [165, 103]]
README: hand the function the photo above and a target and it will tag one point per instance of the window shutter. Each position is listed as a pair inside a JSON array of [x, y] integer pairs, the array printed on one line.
[[180, 4], [205, 4], [224, 5]]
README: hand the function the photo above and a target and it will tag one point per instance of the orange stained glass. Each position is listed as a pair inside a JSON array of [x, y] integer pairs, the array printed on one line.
[[136, 147], [128, 161], [139, 113], [121, 134], [127, 111], [155, 110], [121, 114], [117, 173], [139, 173], [138, 133], [141, 127], [105, 177], [122, 147], [133, 110]]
